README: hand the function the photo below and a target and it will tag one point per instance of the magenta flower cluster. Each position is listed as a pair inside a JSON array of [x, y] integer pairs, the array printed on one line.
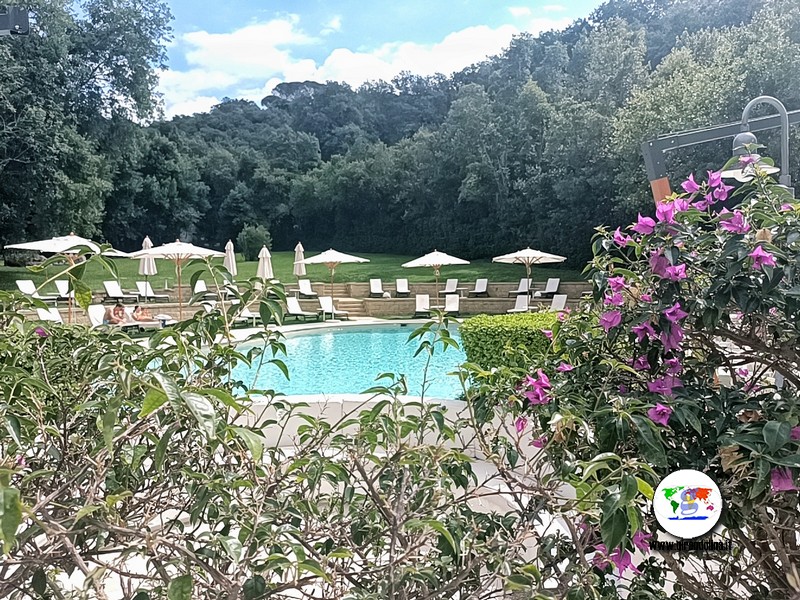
[[540, 386]]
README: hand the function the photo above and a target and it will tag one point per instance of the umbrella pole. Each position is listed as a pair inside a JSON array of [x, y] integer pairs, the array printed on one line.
[[180, 291], [70, 294], [530, 282], [436, 277]]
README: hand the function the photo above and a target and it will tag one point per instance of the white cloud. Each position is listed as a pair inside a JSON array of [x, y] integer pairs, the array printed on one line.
[[554, 8], [251, 61], [519, 11], [332, 26]]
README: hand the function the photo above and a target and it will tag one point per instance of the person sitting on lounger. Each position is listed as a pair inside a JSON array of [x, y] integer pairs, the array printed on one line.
[[115, 315], [140, 313]]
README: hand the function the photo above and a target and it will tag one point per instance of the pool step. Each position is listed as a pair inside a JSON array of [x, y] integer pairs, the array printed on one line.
[[354, 306]]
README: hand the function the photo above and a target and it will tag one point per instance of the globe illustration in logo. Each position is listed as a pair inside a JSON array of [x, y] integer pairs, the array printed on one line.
[[687, 504]]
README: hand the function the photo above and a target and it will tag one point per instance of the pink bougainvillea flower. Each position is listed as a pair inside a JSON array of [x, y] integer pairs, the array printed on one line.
[[690, 186], [660, 414], [736, 224], [539, 442], [646, 298], [644, 225], [680, 205], [742, 372], [564, 367], [40, 331], [614, 299], [675, 313], [675, 273], [643, 330], [621, 239], [674, 366], [796, 433], [641, 363], [600, 559], [721, 193], [562, 316], [786, 207], [658, 264], [672, 337], [641, 540], [547, 333], [622, 388], [664, 385], [539, 386], [715, 178], [761, 258], [665, 212], [747, 159], [617, 284], [520, 424], [623, 560], [610, 319], [782, 480]]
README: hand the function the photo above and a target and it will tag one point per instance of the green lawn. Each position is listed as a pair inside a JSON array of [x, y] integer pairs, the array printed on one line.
[[385, 266]]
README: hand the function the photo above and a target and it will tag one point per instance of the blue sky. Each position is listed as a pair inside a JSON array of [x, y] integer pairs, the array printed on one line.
[[243, 48]]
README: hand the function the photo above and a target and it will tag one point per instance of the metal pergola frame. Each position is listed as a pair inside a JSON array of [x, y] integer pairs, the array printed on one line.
[[655, 151]]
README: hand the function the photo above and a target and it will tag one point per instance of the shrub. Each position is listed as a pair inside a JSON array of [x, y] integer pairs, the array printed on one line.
[[487, 338], [251, 239]]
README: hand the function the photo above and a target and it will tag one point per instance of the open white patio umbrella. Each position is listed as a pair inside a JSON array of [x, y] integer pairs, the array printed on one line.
[[69, 246], [147, 264], [436, 260], [299, 257], [179, 252], [264, 269], [529, 257], [230, 259], [332, 259]]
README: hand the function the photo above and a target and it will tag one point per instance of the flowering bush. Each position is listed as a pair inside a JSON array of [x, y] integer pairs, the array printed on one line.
[[686, 358]]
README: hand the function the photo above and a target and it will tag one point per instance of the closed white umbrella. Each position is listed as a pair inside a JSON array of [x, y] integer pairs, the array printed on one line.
[[299, 257], [179, 252], [436, 260], [230, 259], [147, 264], [529, 257], [332, 259], [264, 270]]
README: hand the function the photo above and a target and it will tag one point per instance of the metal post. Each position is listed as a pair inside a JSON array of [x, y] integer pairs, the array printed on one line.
[[785, 178]]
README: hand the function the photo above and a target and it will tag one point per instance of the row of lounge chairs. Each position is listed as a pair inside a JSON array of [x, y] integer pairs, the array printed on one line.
[[522, 304], [481, 288]]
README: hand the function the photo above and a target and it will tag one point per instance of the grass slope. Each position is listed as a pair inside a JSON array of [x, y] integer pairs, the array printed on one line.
[[385, 266]]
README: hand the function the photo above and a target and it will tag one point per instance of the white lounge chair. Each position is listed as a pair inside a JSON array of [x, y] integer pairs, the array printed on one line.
[[305, 289], [96, 313], [401, 289], [27, 287], [50, 315], [451, 287], [523, 287], [375, 288], [201, 288], [140, 325], [559, 302], [550, 289], [521, 304], [114, 292], [481, 288], [293, 309], [451, 304], [64, 293], [146, 292], [423, 305], [327, 307]]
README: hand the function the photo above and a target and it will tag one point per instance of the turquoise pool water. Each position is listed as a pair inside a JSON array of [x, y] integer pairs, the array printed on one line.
[[347, 360]]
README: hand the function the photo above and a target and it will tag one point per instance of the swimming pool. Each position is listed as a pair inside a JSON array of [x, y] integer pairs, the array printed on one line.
[[346, 360]]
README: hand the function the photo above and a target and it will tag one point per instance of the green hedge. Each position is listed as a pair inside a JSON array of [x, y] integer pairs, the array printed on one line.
[[485, 337]]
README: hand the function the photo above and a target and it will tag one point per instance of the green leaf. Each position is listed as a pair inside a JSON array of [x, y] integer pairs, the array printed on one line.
[[87, 510], [649, 441], [109, 420], [153, 400], [518, 582], [232, 546], [613, 528], [39, 582], [340, 553], [10, 516], [776, 434], [169, 386], [445, 533], [253, 441], [180, 588], [255, 587], [312, 566], [203, 410], [645, 488], [161, 450]]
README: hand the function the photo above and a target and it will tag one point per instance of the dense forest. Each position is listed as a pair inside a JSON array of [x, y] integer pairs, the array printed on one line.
[[536, 146]]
